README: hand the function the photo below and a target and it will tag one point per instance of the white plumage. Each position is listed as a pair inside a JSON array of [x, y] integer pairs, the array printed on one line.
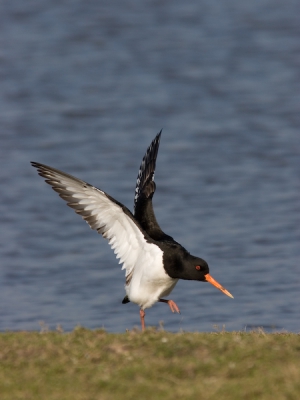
[[146, 279]]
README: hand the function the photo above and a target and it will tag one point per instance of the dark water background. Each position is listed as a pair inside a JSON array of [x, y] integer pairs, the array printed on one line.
[[85, 86]]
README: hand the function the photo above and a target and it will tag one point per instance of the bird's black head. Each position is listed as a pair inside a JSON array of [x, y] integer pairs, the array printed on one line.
[[195, 269], [179, 264]]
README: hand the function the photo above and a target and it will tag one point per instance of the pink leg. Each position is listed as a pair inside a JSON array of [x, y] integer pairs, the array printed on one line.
[[142, 315], [172, 305]]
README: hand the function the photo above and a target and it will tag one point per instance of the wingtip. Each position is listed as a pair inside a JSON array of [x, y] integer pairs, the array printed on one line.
[[34, 164]]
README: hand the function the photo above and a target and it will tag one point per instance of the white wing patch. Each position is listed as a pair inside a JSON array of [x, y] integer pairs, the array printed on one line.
[[104, 215]]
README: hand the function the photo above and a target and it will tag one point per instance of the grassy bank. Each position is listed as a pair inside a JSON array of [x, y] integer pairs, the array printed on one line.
[[93, 365]]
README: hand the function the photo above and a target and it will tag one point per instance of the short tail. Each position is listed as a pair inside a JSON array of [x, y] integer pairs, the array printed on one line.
[[145, 179]]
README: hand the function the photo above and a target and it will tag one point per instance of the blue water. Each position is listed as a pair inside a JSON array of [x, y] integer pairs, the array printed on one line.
[[85, 86]]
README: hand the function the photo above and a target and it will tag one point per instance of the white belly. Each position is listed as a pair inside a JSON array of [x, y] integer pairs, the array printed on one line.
[[149, 283]]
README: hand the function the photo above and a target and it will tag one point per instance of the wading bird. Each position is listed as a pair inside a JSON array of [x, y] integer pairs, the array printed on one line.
[[153, 260]]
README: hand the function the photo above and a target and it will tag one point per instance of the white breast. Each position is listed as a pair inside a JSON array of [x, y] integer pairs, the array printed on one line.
[[149, 281]]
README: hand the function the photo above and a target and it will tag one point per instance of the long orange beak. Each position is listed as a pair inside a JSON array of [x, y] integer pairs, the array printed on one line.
[[211, 280]]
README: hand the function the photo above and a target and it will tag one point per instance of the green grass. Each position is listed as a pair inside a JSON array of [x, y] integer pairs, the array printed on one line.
[[94, 365]]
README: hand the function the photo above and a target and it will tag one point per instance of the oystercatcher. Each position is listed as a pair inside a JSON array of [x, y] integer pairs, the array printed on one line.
[[153, 260]]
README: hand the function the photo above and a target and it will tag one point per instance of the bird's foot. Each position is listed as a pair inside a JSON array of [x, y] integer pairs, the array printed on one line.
[[173, 306], [142, 315]]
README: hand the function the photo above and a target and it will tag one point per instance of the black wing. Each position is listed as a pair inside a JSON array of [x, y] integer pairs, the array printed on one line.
[[145, 179], [144, 191]]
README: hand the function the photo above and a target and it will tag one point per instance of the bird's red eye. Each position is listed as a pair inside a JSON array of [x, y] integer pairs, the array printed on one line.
[[198, 267]]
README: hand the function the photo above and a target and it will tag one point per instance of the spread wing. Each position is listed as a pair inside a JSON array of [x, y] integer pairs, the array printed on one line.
[[145, 180], [145, 189], [103, 214]]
